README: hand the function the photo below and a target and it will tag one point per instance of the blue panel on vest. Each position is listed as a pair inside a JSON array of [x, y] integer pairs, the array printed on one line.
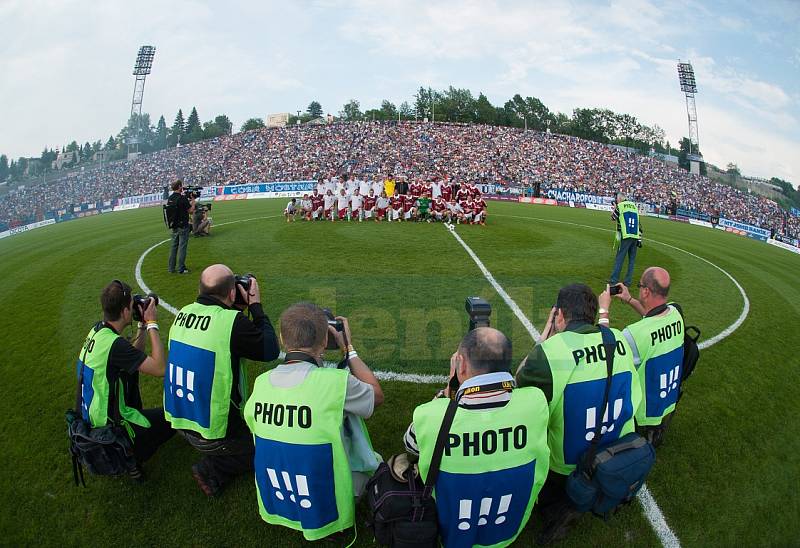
[[631, 222], [662, 377], [295, 481], [582, 401], [87, 390], [483, 509], [188, 383]]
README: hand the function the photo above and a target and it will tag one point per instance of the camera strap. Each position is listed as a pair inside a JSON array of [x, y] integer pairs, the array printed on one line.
[[296, 356], [609, 344], [438, 449]]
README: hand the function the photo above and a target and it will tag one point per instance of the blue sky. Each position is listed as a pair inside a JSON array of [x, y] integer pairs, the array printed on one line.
[[67, 67]]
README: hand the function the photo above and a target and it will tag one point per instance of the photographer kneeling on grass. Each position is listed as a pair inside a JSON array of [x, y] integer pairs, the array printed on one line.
[[108, 373], [570, 366], [313, 455], [496, 456], [657, 343], [206, 384]]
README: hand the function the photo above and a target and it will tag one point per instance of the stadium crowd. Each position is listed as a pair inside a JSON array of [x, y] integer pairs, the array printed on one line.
[[418, 151]]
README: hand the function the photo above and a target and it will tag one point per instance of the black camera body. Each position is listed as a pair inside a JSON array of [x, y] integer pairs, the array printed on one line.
[[479, 311], [615, 289], [244, 282], [140, 303], [338, 325]]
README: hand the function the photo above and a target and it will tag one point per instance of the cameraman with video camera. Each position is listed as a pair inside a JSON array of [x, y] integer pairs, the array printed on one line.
[[176, 214], [206, 384], [108, 373], [308, 425]]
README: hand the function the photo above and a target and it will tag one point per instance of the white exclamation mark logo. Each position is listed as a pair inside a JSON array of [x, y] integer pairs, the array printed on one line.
[[464, 513], [591, 417], [302, 491], [189, 385], [171, 376], [674, 376], [273, 479], [486, 506], [179, 381], [288, 483], [505, 502]]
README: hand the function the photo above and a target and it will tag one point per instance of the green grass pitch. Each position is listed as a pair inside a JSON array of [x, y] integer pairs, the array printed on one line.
[[727, 474]]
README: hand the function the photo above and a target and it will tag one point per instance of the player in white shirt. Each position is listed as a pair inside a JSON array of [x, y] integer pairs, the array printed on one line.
[[436, 189], [364, 187], [356, 204], [455, 211], [329, 202], [321, 188], [291, 210], [342, 204], [382, 205], [305, 207], [377, 186], [330, 184]]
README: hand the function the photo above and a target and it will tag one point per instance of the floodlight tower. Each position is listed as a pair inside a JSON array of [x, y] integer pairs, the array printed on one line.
[[689, 87], [144, 62]]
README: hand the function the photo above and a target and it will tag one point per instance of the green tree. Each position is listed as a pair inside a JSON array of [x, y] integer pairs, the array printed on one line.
[[224, 124], [177, 130], [314, 109], [351, 111], [3, 168], [111, 144], [212, 130], [252, 123], [86, 152], [193, 122], [485, 113], [406, 111], [161, 134]]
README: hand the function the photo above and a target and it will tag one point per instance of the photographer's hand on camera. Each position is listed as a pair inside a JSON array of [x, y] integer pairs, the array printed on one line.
[[357, 366], [625, 295]]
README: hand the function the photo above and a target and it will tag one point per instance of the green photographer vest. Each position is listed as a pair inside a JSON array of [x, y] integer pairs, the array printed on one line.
[[494, 465], [657, 344], [579, 371], [628, 220], [302, 473], [199, 376], [96, 391]]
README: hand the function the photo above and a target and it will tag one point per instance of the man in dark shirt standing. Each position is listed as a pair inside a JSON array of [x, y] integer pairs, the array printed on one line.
[[180, 227], [110, 365], [206, 384]]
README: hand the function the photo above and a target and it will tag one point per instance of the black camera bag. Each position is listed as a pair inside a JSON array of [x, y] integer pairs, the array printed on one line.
[[104, 451], [403, 514]]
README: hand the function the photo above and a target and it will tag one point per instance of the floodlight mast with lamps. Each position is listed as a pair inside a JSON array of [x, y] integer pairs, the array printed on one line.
[[689, 87], [144, 62]]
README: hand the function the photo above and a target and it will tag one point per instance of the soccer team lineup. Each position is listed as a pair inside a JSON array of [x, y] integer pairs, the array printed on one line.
[[500, 290], [360, 200]]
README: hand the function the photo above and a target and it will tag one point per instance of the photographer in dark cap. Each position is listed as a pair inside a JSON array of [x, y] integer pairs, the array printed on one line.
[[206, 384], [110, 367], [177, 212]]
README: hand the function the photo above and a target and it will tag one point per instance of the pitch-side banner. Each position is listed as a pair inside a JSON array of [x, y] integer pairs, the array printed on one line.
[[562, 195], [25, 228], [745, 229], [155, 197], [258, 188]]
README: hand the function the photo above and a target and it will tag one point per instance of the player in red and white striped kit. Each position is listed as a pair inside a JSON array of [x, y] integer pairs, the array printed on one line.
[[382, 205], [395, 207], [409, 207], [479, 209], [356, 204], [369, 205], [317, 202]]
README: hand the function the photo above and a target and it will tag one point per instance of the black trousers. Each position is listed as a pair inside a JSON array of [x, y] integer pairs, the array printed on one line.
[[553, 498], [225, 458], [148, 440]]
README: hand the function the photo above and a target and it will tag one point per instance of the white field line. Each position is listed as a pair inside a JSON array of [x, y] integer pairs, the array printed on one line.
[[707, 342], [651, 510], [535, 335]]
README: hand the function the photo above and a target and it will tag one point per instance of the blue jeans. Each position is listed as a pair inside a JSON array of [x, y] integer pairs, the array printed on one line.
[[180, 240], [627, 247]]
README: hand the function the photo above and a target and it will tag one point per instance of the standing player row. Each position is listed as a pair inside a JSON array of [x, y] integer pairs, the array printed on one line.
[[398, 207]]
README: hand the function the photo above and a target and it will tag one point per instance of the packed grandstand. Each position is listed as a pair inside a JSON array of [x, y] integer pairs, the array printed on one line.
[[502, 156]]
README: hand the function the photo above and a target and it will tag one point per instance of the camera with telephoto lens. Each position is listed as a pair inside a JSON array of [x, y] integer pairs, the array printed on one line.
[[479, 311], [244, 282], [338, 325], [140, 303]]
